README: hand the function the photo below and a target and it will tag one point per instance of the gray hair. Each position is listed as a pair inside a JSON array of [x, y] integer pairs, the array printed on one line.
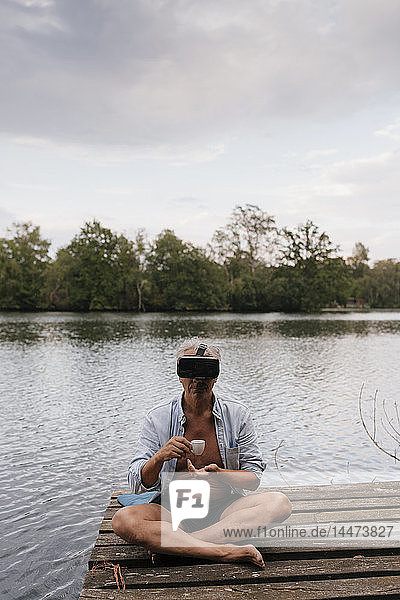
[[194, 343]]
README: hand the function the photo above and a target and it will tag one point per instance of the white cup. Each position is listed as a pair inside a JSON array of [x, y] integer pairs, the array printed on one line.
[[198, 446]]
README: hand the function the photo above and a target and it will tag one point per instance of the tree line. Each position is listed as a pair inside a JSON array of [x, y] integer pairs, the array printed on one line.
[[249, 265]]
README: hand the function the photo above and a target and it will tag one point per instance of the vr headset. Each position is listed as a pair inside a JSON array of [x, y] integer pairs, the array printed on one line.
[[198, 365]]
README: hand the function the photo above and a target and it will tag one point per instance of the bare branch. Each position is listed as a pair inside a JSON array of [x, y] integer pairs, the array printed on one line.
[[373, 440], [397, 412], [390, 420], [276, 462], [388, 432]]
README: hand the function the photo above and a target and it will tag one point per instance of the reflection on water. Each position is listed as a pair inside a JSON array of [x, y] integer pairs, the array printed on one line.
[[98, 329], [75, 388]]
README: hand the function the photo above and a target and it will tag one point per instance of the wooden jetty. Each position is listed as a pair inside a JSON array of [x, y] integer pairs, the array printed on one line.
[[119, 571]]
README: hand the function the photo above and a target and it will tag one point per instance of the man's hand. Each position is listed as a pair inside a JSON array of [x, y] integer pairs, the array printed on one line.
[[176, 447], [207, 469], [236, 478], [191, 468], [214, 468], [208, 473]]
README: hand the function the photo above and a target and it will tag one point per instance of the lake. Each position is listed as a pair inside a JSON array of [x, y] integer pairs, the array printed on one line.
[[75, 389]]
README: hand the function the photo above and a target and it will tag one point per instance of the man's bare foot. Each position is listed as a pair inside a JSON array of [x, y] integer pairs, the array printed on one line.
[[247, 553]]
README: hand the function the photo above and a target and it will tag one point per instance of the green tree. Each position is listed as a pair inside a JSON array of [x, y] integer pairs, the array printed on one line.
[[358, 261], [359, 271], [141, 276], [98, 270], [251, 291], [182, 276], [383, 284], [306, 246], [249, 237], [310, 276], [245, 248], [24, 260]]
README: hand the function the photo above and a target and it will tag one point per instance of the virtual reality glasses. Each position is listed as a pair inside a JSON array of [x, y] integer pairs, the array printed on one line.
[[198, 365]]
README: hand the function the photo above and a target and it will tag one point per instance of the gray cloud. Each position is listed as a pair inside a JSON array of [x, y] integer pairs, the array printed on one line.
[[143, 74]]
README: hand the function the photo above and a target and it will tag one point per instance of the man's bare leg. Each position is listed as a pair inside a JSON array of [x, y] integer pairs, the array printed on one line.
[[249, 512], [143, 525]]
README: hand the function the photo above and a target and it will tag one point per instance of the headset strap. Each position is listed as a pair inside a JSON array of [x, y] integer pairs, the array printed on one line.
[[201, 349]]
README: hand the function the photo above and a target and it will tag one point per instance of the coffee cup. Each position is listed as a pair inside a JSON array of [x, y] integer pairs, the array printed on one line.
[[198, 446]]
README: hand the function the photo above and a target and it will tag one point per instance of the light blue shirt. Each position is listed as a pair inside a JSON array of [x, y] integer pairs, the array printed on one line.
[[234, 428]]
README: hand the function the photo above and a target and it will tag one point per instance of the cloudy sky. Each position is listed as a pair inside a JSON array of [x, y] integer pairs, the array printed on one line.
[[169, 113]]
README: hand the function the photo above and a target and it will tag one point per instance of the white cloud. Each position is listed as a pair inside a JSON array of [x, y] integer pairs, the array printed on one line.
[[391, 131], [31, 187], [355, 200], [194, 219], [186, 73], [378, 174], [188, 202], [322, 190], [102, 154], [321, 153], [120, 191]]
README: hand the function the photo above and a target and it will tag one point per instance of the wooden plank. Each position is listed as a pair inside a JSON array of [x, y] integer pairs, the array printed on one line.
[[348, 490], [311, 515], [124, 555], [346, 504], [363, 506], [110, 539], [105, 526], [383, 485], [352, 589], [215, 574], [109, 543], [375, 514], [345, 490], [326, 504], [132, 556], [316, 492]]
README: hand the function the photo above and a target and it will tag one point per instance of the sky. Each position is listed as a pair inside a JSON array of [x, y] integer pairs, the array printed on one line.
[[169, 113]]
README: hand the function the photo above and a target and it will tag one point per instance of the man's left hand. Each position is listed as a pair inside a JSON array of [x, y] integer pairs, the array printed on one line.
[[207, 473], [213, 467]]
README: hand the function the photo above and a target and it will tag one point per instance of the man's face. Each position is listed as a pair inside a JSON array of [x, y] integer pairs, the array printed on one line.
[[197, 386]]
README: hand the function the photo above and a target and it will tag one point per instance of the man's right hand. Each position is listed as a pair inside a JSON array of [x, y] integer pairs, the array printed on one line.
[[176, 447]]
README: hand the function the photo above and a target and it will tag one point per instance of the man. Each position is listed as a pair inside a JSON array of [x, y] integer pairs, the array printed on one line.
[[231, 456]]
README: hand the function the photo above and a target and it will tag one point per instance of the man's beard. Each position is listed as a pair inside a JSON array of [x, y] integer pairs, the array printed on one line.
[[199, 388]]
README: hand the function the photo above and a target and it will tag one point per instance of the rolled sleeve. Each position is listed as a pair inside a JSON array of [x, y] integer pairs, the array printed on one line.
[[148, 445], [250, 457]]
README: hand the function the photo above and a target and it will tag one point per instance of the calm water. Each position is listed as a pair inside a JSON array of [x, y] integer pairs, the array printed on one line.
[[75, 388]]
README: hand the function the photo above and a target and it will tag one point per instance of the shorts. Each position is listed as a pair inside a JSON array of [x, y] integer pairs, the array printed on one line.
[[214, 514]]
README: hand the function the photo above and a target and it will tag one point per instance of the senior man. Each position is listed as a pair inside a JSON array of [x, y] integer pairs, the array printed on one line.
[[231, 456]]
